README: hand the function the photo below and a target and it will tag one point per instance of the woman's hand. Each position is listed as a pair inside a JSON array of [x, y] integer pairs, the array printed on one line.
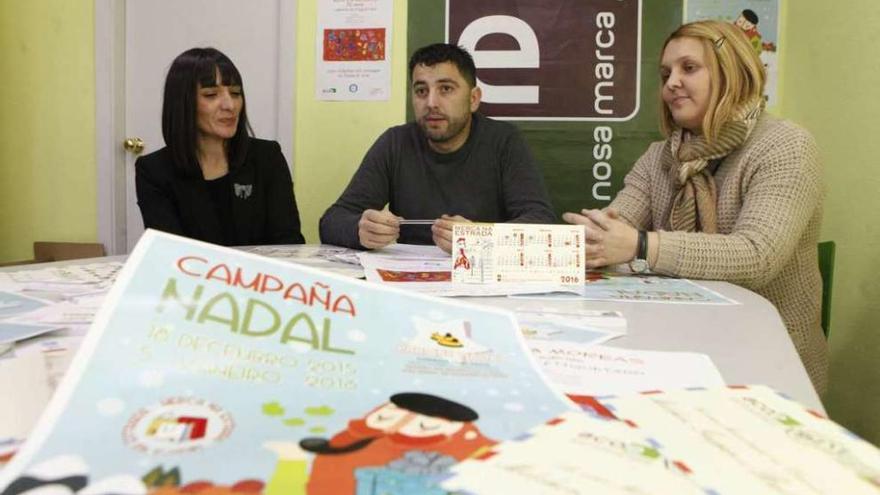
[[608, 240]]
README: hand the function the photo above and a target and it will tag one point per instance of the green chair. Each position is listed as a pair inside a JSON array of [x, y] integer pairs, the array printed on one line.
[[826, 268]]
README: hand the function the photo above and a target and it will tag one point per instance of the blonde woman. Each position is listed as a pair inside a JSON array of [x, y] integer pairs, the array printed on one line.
[[732, 193]]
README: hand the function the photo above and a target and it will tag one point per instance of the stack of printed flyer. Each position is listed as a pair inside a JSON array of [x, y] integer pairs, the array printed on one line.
[[210, 370], [741, 440], [44, 313]]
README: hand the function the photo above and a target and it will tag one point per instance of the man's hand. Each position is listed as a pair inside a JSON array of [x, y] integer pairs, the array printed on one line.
[[442, 230], [378, 228]]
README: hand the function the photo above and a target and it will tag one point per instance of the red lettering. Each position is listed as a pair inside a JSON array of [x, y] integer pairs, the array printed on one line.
[[314, 295], [349, 306], [288, 294], [275, 287], [181, 261], [225, 276], [253, 284]]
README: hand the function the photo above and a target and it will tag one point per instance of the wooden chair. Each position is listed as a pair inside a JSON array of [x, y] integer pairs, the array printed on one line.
[[60, 251], [826, 268]]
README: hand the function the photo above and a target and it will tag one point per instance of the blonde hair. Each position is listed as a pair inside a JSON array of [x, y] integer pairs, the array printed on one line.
[[736, 73]]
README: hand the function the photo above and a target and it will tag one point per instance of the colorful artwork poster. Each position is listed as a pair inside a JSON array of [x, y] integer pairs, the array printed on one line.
[[758, 19], [210, 368], [353, 50], [354, 44]]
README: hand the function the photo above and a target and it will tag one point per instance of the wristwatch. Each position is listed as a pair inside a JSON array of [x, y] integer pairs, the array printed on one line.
[[639, 264]]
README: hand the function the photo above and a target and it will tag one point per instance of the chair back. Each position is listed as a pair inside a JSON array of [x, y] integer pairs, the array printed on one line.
[[826, 268], [60, 251]]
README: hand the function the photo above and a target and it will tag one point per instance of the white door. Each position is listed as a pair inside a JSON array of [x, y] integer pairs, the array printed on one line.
[[257, 35]]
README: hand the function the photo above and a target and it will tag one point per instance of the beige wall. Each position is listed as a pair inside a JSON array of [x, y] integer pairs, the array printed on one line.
[[47, 124], [47, 155], [832, 87]]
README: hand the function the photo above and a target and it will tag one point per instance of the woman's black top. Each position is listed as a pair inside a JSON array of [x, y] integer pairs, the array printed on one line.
[[253, 204]]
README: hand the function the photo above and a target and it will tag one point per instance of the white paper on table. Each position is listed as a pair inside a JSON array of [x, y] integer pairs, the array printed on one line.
[[330, 258], [57, 293], [432, 276], [641, 289], [413, 279], [46, 276], [13, 304], [72, 330], [93, 273], [11, 331], [561, 329], [57, 353], [411, 251], [61, 306], [25, 378], [575, 453], [426, 269], [7, 282], [346, 270], [752, 440], [579, 369], [562, 323], [407, 265], [63, 313], [291, 252], [308, 251]]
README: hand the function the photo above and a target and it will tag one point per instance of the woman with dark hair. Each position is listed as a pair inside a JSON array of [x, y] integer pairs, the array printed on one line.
[[731, 194], [212, 181]]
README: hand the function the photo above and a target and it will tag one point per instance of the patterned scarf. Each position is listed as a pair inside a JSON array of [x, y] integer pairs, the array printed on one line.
[[686, 156]]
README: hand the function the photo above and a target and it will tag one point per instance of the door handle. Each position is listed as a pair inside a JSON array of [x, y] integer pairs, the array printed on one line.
[[134, 145]]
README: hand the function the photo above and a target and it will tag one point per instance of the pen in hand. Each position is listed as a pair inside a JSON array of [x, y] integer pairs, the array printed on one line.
[[417, 222]]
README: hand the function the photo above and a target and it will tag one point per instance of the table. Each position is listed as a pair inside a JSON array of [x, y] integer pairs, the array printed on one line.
[[747, 342]]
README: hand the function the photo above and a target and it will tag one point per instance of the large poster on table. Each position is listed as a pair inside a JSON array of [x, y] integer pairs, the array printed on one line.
[[213, 369], [579, 78]]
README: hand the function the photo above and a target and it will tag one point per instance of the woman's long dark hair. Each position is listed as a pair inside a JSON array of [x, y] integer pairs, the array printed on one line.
[[191, 69]]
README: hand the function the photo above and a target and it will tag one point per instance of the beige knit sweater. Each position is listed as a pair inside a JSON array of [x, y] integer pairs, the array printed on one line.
[[769, 213]]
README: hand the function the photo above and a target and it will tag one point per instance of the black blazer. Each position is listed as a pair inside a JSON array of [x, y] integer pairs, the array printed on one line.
[[263, 205]]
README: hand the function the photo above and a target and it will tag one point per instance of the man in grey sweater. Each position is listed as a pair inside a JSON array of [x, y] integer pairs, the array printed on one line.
[[450, 165]]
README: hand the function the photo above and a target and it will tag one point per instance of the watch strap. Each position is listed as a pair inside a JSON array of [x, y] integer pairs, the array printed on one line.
[[642, 251]]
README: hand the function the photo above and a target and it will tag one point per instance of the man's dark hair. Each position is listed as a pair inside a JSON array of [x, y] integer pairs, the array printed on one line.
[[191, 69], [750, 16], [444, 52]]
